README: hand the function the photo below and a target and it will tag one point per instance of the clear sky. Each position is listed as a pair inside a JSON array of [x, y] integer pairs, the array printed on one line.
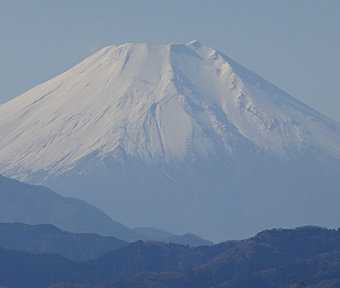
[[294, 44]]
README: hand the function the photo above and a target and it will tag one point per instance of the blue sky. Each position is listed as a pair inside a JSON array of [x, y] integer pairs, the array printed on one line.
[[294, 44]]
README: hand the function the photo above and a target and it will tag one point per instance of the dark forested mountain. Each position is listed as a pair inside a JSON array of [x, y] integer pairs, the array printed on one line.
[[47, 238], [303, 257]]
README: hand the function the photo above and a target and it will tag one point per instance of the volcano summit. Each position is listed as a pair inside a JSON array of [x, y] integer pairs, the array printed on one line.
[[179, 137]]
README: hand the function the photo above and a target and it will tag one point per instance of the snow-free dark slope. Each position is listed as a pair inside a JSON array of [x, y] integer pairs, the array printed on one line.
[[178, 137]]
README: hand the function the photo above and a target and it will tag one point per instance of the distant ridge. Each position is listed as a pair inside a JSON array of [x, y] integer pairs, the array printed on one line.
[[188, 239], [164, 236], [20, 202], [48, 239]]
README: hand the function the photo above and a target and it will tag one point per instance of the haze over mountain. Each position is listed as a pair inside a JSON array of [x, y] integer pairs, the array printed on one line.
[[164, 236], [179, 137], [23, 203], [46, 238], [32, 204]]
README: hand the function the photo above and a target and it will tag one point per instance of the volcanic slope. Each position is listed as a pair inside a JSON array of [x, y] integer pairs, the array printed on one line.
[[179, 137]]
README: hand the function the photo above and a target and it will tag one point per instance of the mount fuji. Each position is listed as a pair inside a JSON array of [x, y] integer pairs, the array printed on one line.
[[179, 137]]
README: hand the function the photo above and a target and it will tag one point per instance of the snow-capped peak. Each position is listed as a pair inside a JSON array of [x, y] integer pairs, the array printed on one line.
[[136, 119], [158, 103], [195, 43]]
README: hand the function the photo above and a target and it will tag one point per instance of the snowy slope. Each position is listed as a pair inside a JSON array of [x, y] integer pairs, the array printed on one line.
[[137, 123]]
